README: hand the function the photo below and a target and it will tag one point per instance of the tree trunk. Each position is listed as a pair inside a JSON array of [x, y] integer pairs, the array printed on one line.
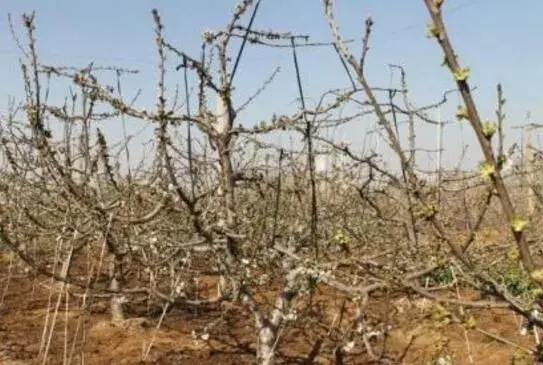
[[116, 304]]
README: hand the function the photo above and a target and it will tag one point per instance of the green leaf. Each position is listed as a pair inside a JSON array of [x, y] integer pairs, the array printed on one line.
[[432, 31], [462, 113], [518, 224], [470, 323], [513, 254], [461, 74], [487, 169], [537, 275], [489, 128]]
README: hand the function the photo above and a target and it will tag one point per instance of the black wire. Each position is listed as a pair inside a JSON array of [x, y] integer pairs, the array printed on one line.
[[238, 58]]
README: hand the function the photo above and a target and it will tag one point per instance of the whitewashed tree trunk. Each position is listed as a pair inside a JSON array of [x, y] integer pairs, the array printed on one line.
[[268, 326], [227, 218], [116, 303]]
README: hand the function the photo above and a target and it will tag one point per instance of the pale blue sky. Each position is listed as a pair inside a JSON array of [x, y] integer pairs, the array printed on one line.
[[498, 39]]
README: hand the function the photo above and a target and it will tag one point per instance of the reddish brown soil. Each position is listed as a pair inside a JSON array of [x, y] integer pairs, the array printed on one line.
[[416, 337]]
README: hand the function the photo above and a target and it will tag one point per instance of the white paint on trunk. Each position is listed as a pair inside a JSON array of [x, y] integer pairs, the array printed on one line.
[[221, 114]]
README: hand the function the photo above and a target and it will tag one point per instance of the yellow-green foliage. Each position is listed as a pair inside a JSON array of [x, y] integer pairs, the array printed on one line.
[[521, 358], [516, 278]]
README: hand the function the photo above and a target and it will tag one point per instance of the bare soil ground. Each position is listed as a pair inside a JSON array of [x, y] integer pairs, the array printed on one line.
[[416, 335]]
